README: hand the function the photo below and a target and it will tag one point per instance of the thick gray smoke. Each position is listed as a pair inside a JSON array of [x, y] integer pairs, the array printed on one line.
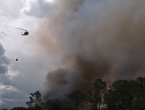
[[4, 61], [92, 39]]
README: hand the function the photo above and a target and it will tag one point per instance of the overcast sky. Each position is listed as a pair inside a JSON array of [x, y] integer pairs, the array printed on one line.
[[109, 31], [19, 79]]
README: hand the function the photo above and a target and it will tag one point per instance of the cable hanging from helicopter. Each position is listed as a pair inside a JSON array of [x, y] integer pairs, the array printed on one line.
[[24, 34]]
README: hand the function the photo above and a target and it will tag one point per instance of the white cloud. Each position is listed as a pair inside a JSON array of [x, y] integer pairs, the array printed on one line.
[[10, 8], [7, 87], [38, 8]]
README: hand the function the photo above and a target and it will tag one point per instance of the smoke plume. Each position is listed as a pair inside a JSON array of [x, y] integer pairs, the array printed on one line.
[[92, 39]]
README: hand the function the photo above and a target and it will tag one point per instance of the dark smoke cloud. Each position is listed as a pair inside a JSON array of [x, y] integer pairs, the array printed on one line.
[[4, 61], [56, 81], [80, 76], [92, 39]]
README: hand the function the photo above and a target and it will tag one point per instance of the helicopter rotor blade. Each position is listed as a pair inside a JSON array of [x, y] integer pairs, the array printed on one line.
[[22, 29]]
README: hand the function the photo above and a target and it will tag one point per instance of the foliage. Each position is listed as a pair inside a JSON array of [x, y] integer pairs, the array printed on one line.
[[96, 96], [78, 97], [138, 92], [118, 96], [121, 95], [19, 108], [35, 101], [54, 105]]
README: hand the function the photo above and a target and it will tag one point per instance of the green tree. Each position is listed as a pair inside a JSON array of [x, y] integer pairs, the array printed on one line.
[[118, 96], [78, 97], [19, 108], [67, 107], [35, 101], [55, 104], [138, 92], [96, 96]]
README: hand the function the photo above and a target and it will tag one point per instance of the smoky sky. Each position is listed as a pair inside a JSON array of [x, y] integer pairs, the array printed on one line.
[[92, 39], [4, 61]]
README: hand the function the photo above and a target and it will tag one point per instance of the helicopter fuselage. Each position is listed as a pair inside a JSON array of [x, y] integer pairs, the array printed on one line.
[[25, 33]]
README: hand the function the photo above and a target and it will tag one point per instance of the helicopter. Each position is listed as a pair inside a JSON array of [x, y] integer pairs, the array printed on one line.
[[25, 33]]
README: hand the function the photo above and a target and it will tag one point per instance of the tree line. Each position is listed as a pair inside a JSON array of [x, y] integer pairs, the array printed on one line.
[[121, 95]]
